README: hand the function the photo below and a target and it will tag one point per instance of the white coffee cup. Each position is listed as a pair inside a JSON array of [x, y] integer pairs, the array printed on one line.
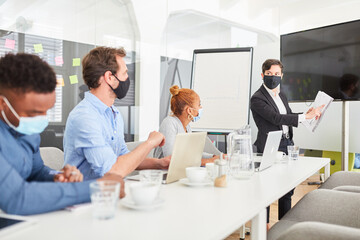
[[144, 193], [280, 155], [196, 174]]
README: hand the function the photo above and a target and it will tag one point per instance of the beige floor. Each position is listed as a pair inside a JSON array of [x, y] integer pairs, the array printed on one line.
[[300, 191]]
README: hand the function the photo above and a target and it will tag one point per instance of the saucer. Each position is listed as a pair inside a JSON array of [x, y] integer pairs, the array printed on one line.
[[129, 203], [186, 182]]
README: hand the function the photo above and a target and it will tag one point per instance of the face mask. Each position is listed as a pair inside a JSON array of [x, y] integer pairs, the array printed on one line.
[[272, 81], [122, 89], [27, 125], [197, 118]]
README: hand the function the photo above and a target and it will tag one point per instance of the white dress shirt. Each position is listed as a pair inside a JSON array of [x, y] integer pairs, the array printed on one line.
[[274, 93]]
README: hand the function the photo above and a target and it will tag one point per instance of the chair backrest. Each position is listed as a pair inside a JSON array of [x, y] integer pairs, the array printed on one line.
[[132, 145], [336, 156], [52, 157]]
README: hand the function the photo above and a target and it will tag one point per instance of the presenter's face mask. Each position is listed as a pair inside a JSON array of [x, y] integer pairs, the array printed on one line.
[[27, 125], [122, 89], [197, 118], [272, 81]]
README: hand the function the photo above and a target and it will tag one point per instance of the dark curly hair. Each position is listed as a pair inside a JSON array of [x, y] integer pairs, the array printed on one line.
[[98, 61], [26, 73]]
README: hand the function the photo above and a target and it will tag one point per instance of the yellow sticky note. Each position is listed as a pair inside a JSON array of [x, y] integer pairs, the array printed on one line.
[[76, 62], [38, 48], [60, 82], [73, 79]]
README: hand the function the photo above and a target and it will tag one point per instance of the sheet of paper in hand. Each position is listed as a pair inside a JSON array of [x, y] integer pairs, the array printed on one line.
[[321, 99]]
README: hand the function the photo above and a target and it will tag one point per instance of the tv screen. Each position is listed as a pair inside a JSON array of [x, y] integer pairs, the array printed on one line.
[[323, 59]]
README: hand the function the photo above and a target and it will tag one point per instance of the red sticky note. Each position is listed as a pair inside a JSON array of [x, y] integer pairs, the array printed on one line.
[[59, 61], [9, 43]]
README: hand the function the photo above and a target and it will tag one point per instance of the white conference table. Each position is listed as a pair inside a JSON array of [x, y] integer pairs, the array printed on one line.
[[188, 212]]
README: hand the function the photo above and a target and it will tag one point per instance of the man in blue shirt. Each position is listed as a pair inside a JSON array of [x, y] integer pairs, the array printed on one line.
[[27, 91], [94, 136]]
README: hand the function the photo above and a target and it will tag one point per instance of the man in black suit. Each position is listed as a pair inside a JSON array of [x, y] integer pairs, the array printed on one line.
[[271, 112]]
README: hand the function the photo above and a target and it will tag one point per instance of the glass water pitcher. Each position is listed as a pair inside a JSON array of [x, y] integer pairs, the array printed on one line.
[[240, 151]]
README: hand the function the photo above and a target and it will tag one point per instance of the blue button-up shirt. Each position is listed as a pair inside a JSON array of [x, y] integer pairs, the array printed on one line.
[[26, 187], [94, 137]]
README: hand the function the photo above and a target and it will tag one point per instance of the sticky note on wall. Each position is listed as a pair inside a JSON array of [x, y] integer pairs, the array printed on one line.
[[59, 61], [76, 62], [38, 48], [60, 82], [73, 79], [9, 43]]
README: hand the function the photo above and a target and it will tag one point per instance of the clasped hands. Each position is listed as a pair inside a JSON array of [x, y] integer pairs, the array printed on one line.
[[69, 174]]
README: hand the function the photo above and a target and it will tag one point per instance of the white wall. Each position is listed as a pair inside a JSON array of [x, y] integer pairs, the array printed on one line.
[[261, 53], [151, 19], [307, 14]]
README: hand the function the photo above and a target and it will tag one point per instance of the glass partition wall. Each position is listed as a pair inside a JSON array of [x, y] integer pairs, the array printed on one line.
[[159, 37], [61, 33]]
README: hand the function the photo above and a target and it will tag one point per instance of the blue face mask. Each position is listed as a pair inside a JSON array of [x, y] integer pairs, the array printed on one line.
[[27, 125], [197, 118]]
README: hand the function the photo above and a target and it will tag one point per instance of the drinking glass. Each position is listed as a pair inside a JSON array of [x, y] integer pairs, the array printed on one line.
[[104, 197], [293, 152], [152, 176]]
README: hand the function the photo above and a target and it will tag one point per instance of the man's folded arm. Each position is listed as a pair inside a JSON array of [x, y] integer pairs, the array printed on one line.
[[19, 196]]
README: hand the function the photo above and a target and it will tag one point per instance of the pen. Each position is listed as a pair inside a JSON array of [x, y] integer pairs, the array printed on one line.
[[54, 172]]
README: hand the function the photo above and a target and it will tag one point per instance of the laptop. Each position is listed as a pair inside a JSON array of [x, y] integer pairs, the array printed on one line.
[[13, 223], [187, 152], [270, 151]]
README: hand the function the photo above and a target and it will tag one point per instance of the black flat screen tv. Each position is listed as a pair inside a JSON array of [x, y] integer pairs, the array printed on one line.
[[323, 59]]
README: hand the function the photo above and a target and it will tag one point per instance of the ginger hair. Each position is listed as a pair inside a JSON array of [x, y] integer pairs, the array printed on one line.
[[181, 98]]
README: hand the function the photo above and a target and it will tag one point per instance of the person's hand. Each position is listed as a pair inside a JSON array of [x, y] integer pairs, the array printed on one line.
[[69, 174], [204, 161], [310, 110], [314, 112], [117, 178], [163, 163], [223, 154], [156, 139]]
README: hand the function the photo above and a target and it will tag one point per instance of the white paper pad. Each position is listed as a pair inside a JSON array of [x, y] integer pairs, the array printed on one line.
[[321, 99]]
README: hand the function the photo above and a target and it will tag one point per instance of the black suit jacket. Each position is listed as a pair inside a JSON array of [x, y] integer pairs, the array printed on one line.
[[267, 116]]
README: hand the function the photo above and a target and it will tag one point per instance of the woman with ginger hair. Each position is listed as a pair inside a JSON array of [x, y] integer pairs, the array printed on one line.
[[186, 108]]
